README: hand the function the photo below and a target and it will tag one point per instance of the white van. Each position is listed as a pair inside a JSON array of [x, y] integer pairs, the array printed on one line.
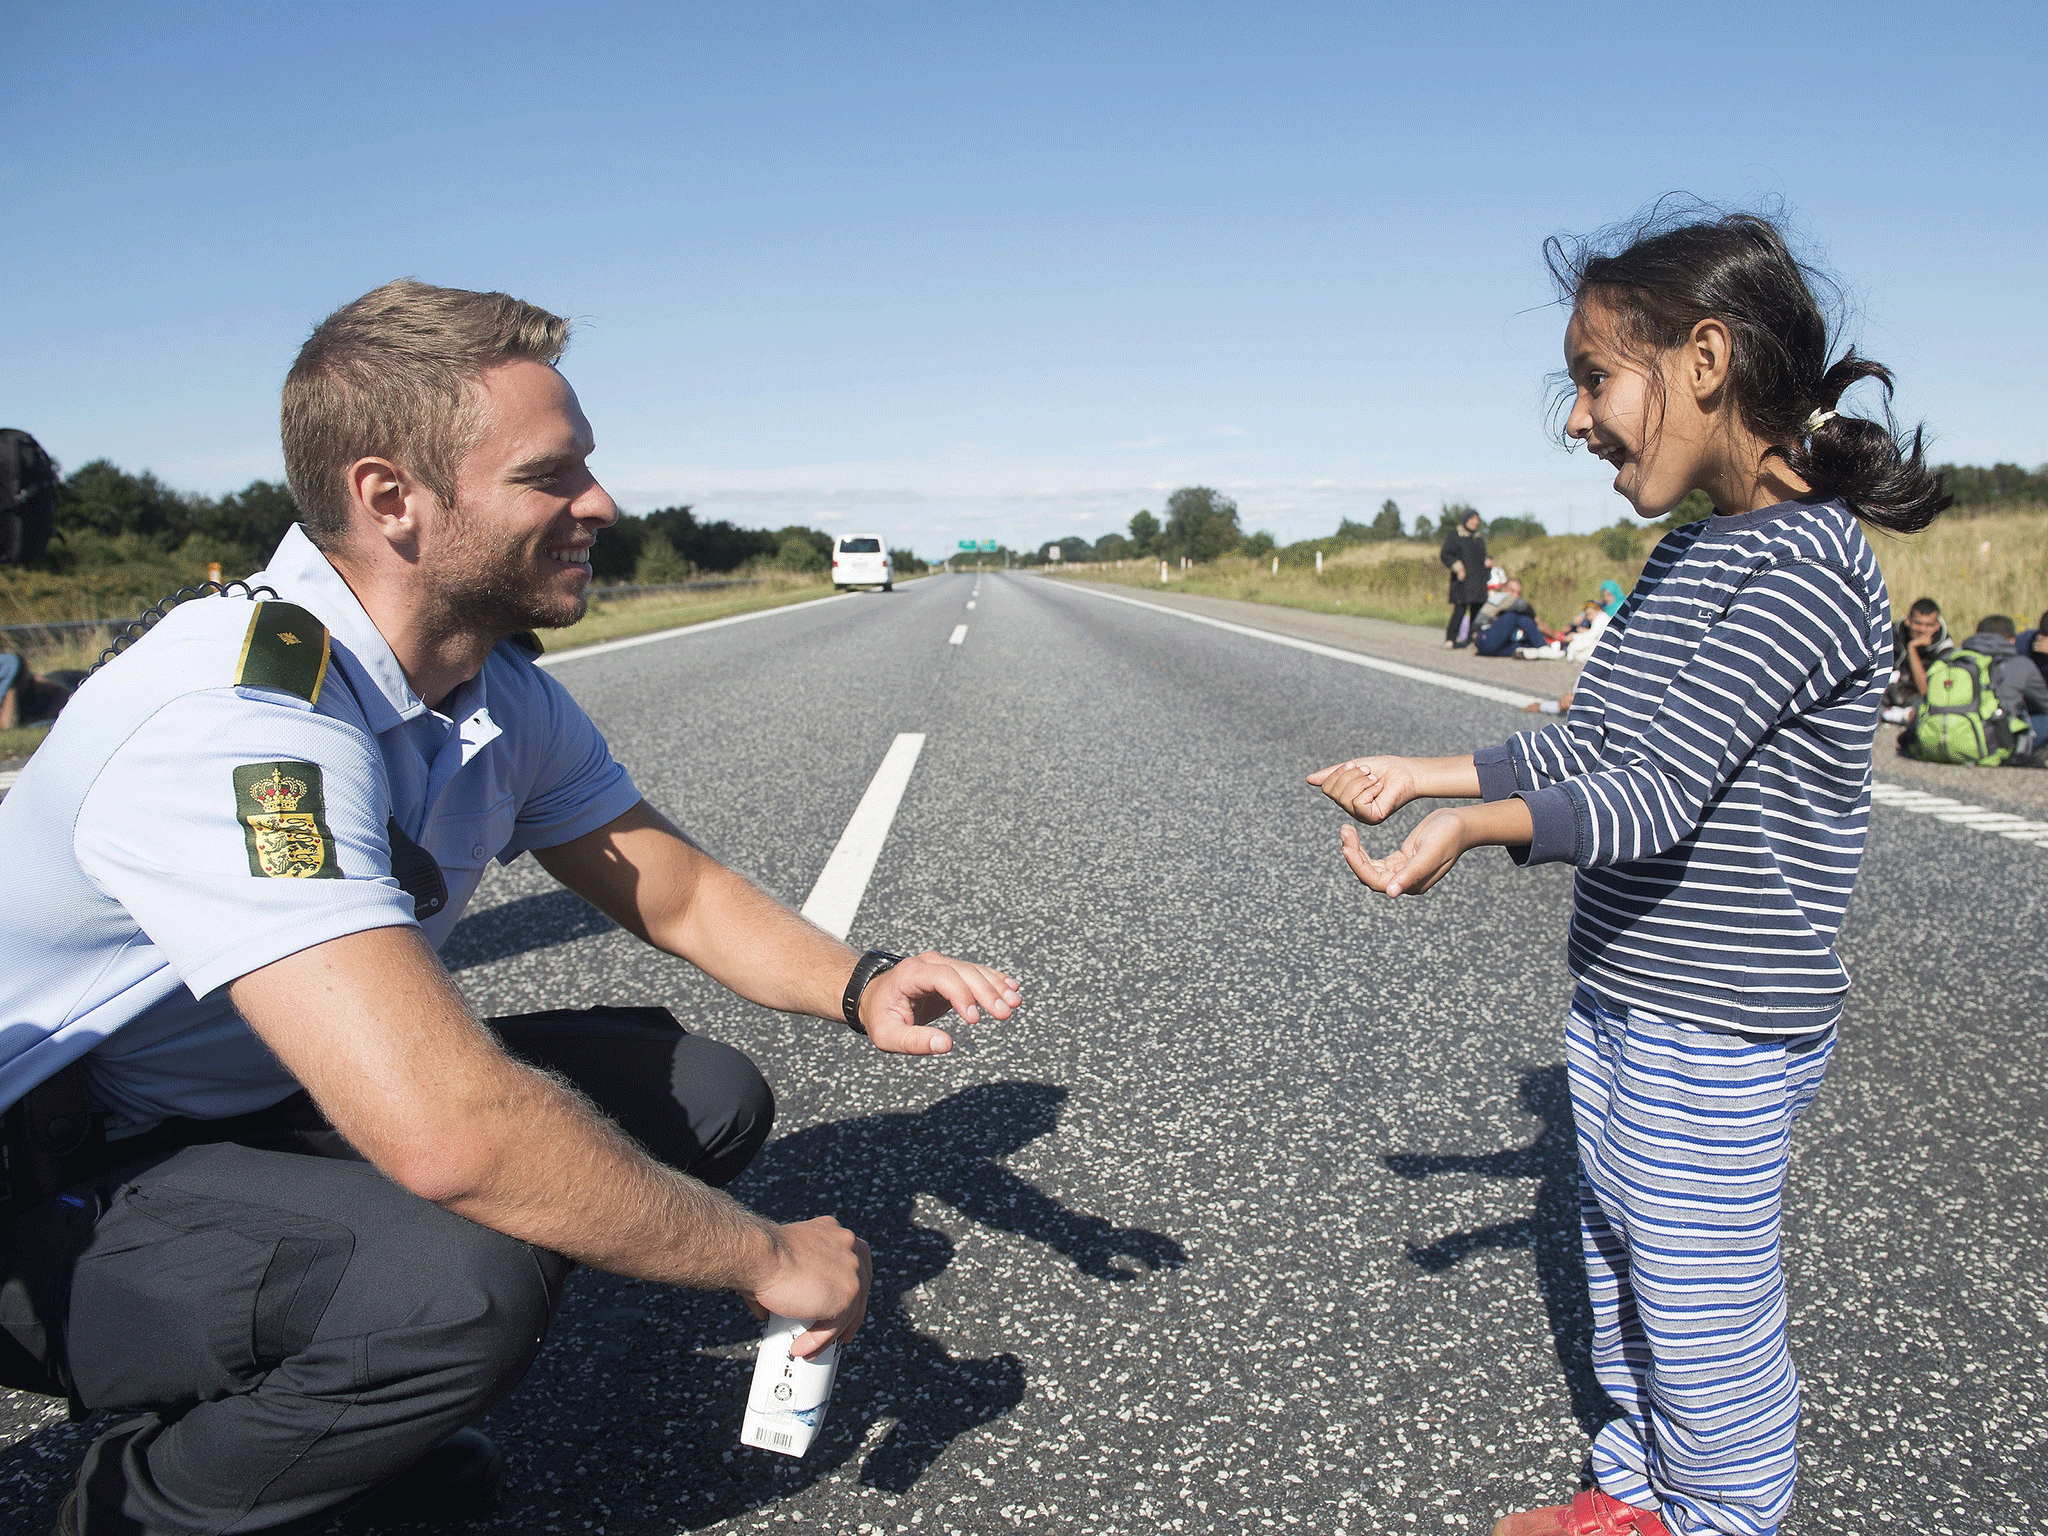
[[859, 560]]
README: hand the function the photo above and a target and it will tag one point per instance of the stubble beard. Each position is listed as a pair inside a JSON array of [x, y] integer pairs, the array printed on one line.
[[488, 588]]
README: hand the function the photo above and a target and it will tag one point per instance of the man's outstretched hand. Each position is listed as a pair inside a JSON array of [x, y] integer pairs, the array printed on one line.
[[900, 1004]]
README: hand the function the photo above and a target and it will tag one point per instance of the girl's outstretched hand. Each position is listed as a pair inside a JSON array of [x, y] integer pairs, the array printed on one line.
[[1425, 858], [1369, 788]]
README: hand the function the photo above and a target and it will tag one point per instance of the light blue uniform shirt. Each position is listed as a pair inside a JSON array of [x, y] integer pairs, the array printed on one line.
[[136, 894]]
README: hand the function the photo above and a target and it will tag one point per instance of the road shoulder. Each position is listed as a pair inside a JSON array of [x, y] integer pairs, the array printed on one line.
[[2024, 792]]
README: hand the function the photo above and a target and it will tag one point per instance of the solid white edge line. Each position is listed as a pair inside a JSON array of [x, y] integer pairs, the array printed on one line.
[[1941, 807], [604, 647], [836, 898], [1314, 648]]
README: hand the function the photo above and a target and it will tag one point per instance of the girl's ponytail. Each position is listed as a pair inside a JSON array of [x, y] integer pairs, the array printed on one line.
[[1882, 476], [1682, 263]]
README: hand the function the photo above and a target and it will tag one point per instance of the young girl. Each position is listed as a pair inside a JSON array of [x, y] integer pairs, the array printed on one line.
[[1712, 784]]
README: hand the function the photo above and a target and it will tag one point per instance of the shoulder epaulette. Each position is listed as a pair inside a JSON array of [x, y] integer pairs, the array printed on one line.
[[286, 649]]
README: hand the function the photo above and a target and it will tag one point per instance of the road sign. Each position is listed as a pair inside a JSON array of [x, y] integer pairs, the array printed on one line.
[[969, 544], [989, 546]]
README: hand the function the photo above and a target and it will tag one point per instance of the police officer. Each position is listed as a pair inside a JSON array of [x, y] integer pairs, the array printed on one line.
[[273, 1194]]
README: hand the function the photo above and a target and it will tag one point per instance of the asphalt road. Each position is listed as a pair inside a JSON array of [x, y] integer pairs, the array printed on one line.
[[1260, 1216]]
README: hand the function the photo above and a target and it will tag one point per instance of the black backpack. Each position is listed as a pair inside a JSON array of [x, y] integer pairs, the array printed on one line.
[[28, 498]]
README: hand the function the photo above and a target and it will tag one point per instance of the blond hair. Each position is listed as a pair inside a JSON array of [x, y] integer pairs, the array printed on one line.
[[393, 376]]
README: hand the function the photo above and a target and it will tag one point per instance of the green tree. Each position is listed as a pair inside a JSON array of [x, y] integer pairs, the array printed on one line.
[[1349, 532], [1113, 546], [1257, 545], [1200, 523], [100, 497], [800, 550], [1144, 533], [660, 563], [1975, 487], [1696, 505], [905, 563], [1388, 524], [1505, 529], [1620, 540], [1071, 548], [616, 554], [252, 519]]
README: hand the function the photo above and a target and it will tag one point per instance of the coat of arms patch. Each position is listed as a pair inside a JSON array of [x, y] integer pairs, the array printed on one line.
[[283, 810]]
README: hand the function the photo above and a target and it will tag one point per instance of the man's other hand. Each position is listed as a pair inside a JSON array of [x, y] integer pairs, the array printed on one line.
[[821, 1277], [900, 1004]]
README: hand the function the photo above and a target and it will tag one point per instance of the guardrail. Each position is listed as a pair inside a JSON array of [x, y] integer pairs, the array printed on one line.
[[58, 628]]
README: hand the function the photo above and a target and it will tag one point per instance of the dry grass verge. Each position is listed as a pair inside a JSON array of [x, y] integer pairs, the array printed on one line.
[[1996, 562], [604, 621], [644, 615], [1400, 581]]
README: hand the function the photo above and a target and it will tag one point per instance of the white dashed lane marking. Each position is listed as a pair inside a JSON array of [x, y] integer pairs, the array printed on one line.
[[959, 635], [835, 899], [970, 605], [1961, 813]]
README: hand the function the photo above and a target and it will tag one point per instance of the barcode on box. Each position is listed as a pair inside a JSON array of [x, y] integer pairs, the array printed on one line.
[[779, 1439]]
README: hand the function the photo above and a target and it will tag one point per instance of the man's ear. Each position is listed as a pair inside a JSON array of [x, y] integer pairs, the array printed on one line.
[[1709, 352], [388, 501]]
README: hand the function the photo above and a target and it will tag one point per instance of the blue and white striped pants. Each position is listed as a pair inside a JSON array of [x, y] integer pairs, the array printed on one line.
[[1683, 1140]]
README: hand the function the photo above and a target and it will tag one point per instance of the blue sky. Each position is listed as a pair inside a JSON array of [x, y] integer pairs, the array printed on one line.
[[997, 271]]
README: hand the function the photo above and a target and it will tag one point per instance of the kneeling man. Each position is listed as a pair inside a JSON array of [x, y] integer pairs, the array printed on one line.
[[272, 1192]]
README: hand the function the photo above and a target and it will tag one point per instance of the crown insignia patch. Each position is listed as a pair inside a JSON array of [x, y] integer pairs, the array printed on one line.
[[283, 811]]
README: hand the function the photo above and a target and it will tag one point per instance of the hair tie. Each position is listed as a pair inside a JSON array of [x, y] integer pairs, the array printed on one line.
[[1815, 422]]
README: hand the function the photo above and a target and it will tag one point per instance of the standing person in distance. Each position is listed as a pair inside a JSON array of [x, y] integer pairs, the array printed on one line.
[[1712, 785], [1464, 556]]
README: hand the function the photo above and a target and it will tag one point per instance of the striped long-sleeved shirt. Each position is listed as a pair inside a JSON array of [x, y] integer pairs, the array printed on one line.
[[1712, 780]]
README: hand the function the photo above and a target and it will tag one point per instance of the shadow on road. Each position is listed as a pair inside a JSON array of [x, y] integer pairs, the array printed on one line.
[[531, 922], [631, 1420], [869, 1173], [1551, 1231]]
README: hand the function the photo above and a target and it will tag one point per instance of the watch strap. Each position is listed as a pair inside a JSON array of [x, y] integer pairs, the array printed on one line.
[[870, 965]]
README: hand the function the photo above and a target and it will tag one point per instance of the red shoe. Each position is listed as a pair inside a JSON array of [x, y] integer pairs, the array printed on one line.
[[1592, 1513]]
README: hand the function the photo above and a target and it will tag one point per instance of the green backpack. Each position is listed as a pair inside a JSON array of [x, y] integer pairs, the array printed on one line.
[[1962, 721]]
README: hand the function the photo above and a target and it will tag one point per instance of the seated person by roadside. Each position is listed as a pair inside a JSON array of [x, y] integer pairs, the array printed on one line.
[[25, 698], [1918, 641], [1576, 640], [1496, 596], [2032, 645], [1514, 624], [275, 1197], [1981, 704]]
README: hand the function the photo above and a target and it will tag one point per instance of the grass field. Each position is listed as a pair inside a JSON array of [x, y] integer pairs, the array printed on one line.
[[1996, 562]]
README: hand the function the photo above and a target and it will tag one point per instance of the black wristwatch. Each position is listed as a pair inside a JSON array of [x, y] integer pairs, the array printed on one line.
[[871, 965]]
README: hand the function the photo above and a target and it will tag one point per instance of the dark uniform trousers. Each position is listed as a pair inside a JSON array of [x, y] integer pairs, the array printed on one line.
[[287, 1327]]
